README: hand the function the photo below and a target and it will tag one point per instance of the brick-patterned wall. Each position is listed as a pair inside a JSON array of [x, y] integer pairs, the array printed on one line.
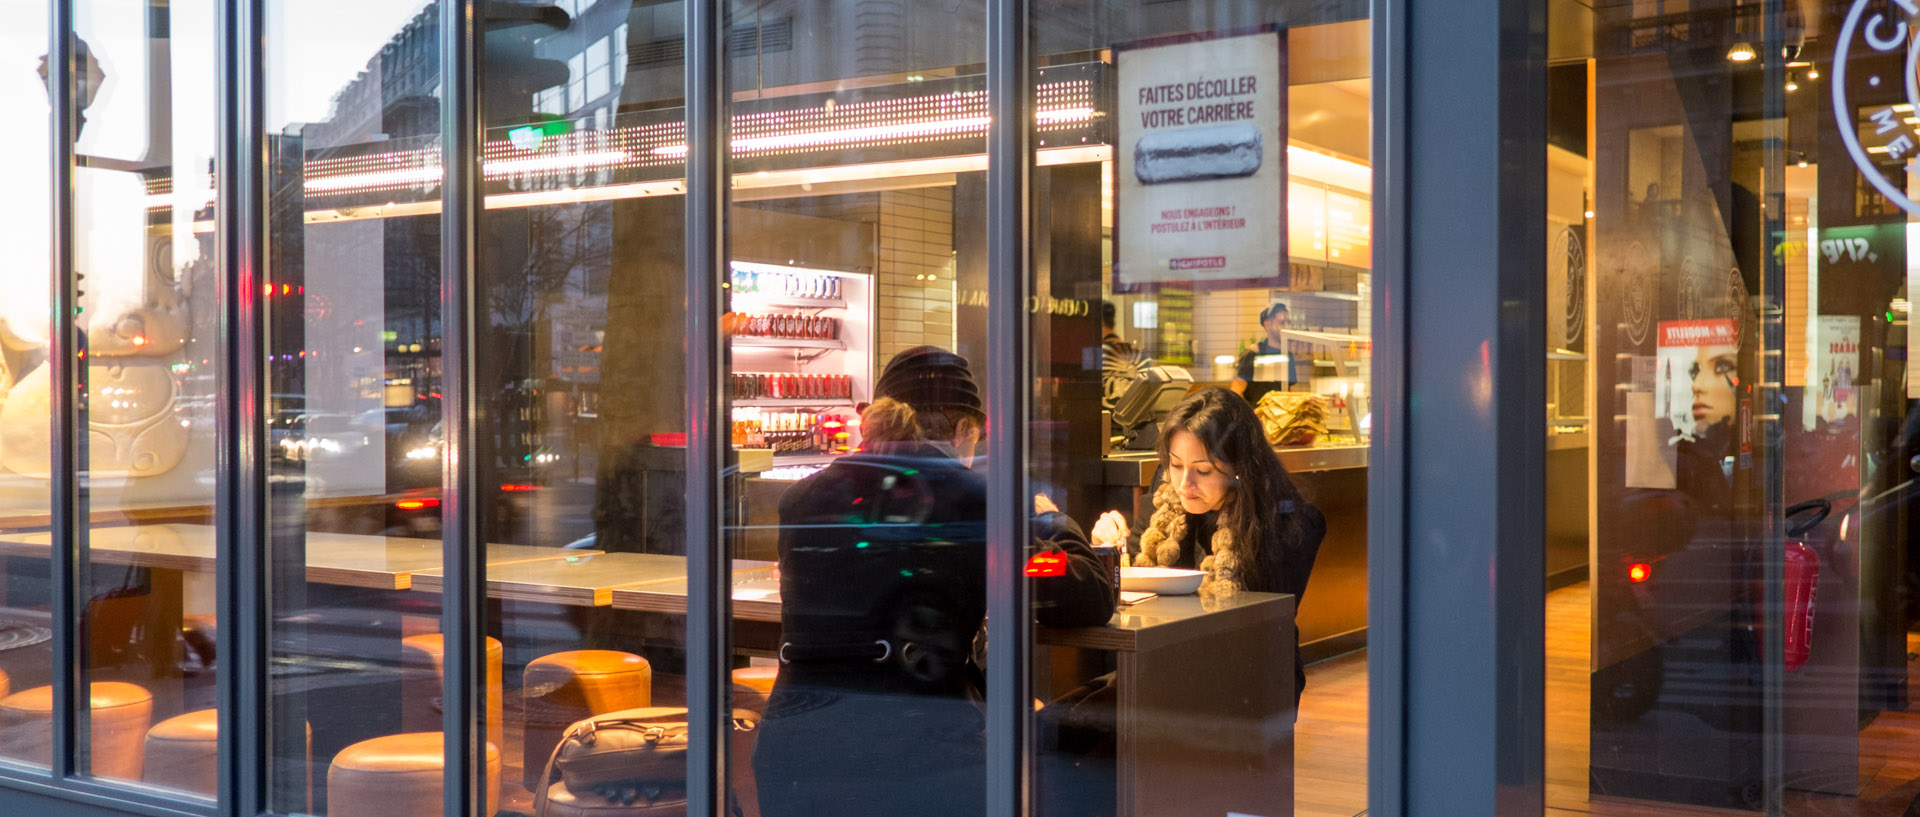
[[915, 277]]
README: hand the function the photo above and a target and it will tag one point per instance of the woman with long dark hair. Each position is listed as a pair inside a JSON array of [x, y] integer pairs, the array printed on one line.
[[1226, 505]]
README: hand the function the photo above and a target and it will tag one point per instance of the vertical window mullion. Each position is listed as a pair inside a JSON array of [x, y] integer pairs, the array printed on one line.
[[709, 602], [1009, 244], [67, 371], [1386, 474], [463, 614], [241, 556]]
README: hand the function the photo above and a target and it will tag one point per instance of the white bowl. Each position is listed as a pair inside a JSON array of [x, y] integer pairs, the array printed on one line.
[[1167, 581]]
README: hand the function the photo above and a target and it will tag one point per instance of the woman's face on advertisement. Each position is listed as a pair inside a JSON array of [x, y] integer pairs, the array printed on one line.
[[1716, 379], [1192, 471]]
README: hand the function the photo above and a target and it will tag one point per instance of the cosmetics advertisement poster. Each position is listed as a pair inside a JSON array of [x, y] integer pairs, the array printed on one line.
[[1201, 162], [1695, 387]]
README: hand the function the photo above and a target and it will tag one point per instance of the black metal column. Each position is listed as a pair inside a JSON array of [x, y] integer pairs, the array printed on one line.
[[243, 604], [709, 600], [67, 369], [464, 609], [1458, 505], [1010, 74]]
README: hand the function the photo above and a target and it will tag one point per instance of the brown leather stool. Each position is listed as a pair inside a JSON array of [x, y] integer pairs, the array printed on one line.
[[423, 665], [398, 776], [183, 752], [758, 678], [569, 686], [121, 714]]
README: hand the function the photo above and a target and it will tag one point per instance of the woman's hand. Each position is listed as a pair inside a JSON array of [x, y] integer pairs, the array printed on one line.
[[1110, 529], [1044, 504]]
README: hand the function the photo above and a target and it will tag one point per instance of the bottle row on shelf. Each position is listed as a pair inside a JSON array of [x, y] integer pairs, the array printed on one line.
[[764, 385], [792, 327], [787, 284], [791, 432]]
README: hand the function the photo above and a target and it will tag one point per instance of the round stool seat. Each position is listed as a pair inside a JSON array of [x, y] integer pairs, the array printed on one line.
[[600, 680], [758, 678], [567, 686], [426, 655], [183, 752], [121, 714], [398, 776]]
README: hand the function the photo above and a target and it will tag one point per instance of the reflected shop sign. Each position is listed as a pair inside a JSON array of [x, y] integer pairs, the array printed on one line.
[[1201, 162], [1875, 29], [1879, 49]]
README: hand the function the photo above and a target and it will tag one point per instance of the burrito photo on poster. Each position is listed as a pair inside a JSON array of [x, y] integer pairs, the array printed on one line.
[[1197, 154]]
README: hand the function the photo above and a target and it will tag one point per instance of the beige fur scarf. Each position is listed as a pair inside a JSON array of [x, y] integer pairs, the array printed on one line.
[[1160, 547]]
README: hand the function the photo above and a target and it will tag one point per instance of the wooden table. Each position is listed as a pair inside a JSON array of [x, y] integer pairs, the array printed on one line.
[[377, 562], [1206, 705], [589, 579]]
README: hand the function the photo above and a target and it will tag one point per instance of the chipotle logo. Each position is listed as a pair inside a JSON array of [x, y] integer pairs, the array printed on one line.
[[1883, 133]]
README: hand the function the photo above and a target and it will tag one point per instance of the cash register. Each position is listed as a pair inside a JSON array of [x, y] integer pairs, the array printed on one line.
[[1146, 402]]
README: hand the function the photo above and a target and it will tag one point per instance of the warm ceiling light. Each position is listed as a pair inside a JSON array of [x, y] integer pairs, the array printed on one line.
[[1741, 52], [1813, 72], [1792, 84]]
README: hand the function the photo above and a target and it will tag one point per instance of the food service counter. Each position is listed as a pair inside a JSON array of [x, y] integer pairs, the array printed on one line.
[[1333, 613]]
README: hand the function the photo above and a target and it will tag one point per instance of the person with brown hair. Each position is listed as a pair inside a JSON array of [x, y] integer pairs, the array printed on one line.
[[1226, 506]]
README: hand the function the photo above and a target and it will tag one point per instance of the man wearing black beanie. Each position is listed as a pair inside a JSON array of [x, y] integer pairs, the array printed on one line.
[[883, 591], [939, 387]]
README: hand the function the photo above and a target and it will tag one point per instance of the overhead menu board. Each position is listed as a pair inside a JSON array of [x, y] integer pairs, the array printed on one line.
[[1202, 162]]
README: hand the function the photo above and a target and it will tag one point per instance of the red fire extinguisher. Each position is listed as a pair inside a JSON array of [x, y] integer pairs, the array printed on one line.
[[1803, 575], [1802, 578]]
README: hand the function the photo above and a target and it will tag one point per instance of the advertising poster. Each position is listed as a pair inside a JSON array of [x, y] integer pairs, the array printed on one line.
[[1694, 388], [1836, 363], [1202, 163], [1698, 377]]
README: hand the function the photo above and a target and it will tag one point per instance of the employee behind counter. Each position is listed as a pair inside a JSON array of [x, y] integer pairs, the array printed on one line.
[[1263, 365]]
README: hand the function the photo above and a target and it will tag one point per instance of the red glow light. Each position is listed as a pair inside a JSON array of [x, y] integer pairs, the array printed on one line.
[[1639, 572], [1048, 563], [416, 504], [519, 487]]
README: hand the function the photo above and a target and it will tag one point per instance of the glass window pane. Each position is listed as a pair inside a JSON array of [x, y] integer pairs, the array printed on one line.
[[144, 258], [1201, 353], [581, 356], [1731, 460], [25, 593], [354, 425], [858, 545]]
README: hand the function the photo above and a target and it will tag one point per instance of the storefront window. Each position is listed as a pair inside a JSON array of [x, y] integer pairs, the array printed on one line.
[[1729, 471], [144, 262], [354, 421], [1198, 351], [1201, 358], [581, 361]]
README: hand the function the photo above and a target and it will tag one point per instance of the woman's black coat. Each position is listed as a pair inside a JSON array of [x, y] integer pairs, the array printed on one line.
[[882, 556]]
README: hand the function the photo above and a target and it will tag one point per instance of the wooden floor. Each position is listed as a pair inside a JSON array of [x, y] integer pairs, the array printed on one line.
[[1330, 753]]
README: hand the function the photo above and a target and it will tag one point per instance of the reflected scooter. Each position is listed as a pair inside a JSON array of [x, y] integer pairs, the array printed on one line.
[[1650, 599]]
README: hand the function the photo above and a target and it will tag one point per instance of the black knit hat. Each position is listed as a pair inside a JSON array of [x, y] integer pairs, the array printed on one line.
[[930, 378]]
